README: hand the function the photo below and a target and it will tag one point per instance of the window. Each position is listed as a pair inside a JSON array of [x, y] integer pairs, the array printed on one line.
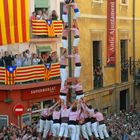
[[93, 2], [97, 1], [3, 120], [26, 119], [124, 2]]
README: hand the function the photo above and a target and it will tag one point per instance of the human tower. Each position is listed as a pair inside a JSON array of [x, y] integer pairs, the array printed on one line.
[[77, 120]]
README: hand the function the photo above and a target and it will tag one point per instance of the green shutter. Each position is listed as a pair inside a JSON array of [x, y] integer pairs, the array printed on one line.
[[41, 4], [43, 49]]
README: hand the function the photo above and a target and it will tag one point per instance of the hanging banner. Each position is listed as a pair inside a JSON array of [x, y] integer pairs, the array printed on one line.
[[111, 32]]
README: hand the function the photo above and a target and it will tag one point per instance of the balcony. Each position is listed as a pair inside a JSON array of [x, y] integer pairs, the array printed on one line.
[[46, 29], [29, 74], [124, 70]]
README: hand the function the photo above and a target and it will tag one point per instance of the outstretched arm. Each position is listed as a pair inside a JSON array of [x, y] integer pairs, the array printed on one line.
[[52, 107]]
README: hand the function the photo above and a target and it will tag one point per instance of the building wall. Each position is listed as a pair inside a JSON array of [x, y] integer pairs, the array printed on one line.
[[92, 24]]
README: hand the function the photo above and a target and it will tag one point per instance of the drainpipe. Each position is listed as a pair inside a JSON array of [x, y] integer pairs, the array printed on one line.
[[134, 45]]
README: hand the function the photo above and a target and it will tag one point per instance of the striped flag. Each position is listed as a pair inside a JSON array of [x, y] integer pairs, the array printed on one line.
[[52, 71], [10, 73], [50, 25], [14, 21], [2, 74], [40, 27]]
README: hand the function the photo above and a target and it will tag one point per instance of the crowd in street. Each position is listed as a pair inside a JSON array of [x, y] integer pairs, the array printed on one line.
[[124, 125], [27, 58]]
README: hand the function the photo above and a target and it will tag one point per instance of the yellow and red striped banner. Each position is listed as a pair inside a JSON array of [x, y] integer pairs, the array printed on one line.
[[14, 21], [10, 77], [40, 27], [29, 73]]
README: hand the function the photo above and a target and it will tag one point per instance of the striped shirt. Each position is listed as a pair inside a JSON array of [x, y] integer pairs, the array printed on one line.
[[64, 89], [65, 112], [73, 116], [63, 60], [99, 116], [56, 115], [77, 87], [75, 31], [77, 58], [65, 32]]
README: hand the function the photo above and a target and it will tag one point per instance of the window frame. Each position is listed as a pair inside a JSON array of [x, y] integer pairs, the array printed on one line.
[[124, 4], [6, 117]]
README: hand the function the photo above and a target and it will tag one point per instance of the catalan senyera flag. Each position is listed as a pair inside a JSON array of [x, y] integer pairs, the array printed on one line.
[[50, 25], [40, 27], [52, 70], [10, 73], [14, 21]]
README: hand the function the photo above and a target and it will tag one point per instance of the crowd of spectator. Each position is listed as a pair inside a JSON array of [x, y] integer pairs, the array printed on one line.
[[124, 125], [44, 15], [27, 58]]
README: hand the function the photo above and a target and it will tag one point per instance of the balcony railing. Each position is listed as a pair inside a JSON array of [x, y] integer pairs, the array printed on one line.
[[42, 28], [124, 70], [29, 74]]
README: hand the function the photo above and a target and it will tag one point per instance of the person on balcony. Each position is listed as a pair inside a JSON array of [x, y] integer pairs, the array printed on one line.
[[76, 34], [54, 57], [1, 59], [46, 15], [8, 58], [54, 15], [18, 60], [35, 60], [26, 60], [39, 15], [33, 17]]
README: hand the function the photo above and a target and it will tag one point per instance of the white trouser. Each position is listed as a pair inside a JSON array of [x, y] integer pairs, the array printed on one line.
[[65, 18], [103, 131], [63, 130], [88, 128], [78, 97], [64, 43], [72, 130], [41, 125], [64, 98], [47, 128], [84, 132], [76, 15], [76, 42], [77, 132], [95, 129], [77, 71], [56, 129], [63, 75]]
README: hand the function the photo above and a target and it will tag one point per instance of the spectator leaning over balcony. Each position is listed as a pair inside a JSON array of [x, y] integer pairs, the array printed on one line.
[[39, 15], [54, 57], [1, 59], [46, 14], [26, 61], [18, 60], [54, 15], [8, 58], [35, 60], [33, 17]]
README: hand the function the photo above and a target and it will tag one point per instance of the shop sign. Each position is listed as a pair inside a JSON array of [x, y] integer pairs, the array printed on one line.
[[36, 93]]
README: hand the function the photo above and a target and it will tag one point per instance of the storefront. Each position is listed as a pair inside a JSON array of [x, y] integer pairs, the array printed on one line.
[[33, 97]]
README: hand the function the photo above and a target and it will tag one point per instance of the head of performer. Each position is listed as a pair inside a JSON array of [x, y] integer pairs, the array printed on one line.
[[90, 106], [95, 111], [74, 109], [67, 1], [75, 50]]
